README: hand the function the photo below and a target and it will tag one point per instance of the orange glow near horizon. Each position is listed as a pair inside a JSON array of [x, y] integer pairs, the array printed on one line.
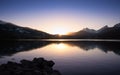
[[60, 31], [58, 24], [61, 23]]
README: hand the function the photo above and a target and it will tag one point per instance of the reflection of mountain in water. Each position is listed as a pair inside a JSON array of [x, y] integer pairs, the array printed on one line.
[[11, 47], [104, 46], [8, 48]]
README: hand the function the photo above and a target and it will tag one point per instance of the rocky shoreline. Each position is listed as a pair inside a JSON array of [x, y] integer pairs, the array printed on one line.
[[38, 66]]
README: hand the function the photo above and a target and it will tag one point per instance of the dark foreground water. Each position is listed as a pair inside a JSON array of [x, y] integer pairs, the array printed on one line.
[[70, 57]]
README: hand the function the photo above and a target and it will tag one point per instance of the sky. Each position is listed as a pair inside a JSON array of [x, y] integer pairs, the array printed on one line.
[[61, 16]]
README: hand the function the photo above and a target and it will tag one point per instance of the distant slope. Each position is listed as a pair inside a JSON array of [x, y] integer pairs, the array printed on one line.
[[103, 33], [110, 32], [11, 31]]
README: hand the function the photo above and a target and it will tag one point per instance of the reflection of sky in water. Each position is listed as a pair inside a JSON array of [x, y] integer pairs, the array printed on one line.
[[71, 59]]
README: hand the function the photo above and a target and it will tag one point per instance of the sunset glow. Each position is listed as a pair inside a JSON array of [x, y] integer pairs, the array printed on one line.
[[60, 37], [60, 31], [60, 16]]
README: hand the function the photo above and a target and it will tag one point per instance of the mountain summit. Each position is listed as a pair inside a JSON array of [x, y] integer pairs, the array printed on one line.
[[103, 33], [103, 28], [117, 25], [12, 31], [89, 30]]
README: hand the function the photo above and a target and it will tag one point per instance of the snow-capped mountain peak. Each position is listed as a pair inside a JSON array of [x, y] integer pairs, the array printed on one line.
[[117, 25], [103, 28], [89, 30]]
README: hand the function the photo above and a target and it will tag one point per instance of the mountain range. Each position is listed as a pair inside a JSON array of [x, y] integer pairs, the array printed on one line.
[[103, 33], [12, 31]]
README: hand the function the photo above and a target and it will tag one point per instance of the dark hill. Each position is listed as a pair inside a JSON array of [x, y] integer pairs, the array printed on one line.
[[103, 33], [11, 31]]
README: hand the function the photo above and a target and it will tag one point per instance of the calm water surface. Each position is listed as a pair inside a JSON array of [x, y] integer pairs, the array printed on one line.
[[71, 57]]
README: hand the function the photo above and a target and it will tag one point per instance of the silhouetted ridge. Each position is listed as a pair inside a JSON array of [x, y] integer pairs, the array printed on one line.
[[117, 25], [103, 33], [11, 31], [2, 22], [103, 28]]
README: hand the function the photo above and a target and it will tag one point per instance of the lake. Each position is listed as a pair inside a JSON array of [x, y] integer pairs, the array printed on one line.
[[71, 57]]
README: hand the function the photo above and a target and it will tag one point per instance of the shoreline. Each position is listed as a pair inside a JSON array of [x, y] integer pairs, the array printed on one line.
[[38, 66]]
